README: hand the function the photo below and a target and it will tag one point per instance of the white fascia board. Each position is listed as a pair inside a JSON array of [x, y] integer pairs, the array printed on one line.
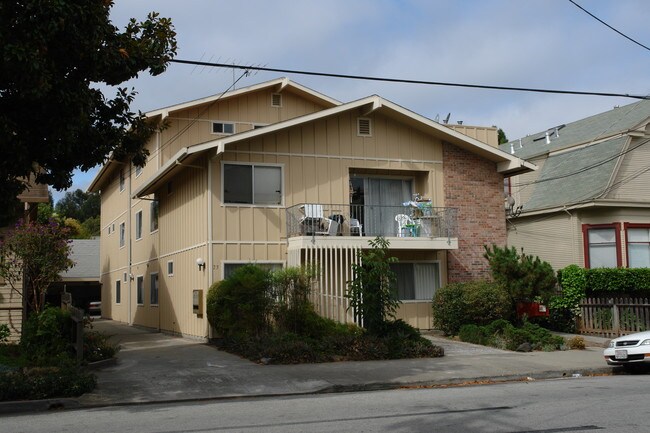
[[162, 171], [221, 144], [514, 167], [281, 83]]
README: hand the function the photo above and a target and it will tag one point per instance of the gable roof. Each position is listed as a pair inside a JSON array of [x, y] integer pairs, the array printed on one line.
[[85, 254], [617, 121], [506, 163], [277, 85], [581, 159]]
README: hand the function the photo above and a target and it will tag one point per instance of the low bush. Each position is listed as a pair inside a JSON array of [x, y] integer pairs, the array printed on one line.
[[241, 304], [576, 343], [45, 382], [342, 343], [474, 302], [5, 332], [97, 347], [47, 336], [503, 335]]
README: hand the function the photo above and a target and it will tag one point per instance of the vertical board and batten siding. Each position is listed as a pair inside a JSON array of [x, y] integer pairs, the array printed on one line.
[[244, 111], [318, 159], [632, 180], [114, 260], [487, 135], [183, 239]]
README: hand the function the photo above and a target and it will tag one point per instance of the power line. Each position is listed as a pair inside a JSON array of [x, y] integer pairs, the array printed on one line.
[[603, 22], [405, 81]]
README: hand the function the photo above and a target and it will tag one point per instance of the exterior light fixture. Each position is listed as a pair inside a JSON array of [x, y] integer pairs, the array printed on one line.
[[200, 263]]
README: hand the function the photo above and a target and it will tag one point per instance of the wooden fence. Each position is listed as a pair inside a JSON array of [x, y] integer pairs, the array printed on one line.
[[613, 317]]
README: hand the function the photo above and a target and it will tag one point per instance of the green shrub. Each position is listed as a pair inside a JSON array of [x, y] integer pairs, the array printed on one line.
[[292, 309], [576, 343], [97, 347], [45, 382], [5, 332], [241, 304], [474, 302], [524, 277], [503, 335], [372, 292], [47, 337], [617, 281]]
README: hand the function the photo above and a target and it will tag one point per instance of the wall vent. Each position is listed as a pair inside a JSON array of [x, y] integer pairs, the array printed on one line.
[[276, 100], [364, 127]]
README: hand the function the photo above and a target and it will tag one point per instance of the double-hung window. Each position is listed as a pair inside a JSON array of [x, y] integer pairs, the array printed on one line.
[[602, 245], [252, 184], [638, 245]]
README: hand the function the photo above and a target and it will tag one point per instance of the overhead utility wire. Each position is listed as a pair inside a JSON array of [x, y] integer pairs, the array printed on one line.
[[405, 81], [603, 22]]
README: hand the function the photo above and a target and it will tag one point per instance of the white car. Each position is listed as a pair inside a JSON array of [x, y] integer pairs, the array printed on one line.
[[629, 350]]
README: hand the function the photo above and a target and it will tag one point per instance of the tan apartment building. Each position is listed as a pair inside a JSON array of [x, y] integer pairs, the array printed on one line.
[[589, 202], [280, 175]]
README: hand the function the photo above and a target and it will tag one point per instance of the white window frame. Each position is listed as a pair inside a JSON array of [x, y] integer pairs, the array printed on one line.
[[419, 262], [156, 204], [252, 165], [170, 262], [139, 278], [138, 225], [151, 289], [224, 263], [122, 179], [223, 127], [122, 234]]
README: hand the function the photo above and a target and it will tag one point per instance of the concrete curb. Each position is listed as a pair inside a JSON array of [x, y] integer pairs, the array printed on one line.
[[73, 404]]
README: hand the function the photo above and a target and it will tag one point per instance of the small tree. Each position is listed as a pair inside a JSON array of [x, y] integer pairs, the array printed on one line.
[[372, 292], [34, 255], [525, 277]]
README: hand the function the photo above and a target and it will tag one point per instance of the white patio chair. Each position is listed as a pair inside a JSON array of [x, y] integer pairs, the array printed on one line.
[[403, 220], [356, 227]]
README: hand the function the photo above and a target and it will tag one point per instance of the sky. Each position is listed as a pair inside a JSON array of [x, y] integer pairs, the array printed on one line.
[[533, 43]]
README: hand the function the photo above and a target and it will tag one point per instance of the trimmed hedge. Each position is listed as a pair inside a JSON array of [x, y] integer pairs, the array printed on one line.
[[503, 335], [604, 281]]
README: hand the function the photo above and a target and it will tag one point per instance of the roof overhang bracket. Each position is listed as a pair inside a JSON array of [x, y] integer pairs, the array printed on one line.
[[370, 108]]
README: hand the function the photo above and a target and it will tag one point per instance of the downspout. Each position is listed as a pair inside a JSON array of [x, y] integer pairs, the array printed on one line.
[[129, 319], [209, 243]]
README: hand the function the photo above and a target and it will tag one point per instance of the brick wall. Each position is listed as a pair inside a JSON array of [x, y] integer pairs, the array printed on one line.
[[473, 186]]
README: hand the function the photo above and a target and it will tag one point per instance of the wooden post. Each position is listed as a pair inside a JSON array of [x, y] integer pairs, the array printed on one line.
[[616, 324]]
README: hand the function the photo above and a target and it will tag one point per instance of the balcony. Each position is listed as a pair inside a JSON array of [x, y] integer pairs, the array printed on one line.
[[413, 225]]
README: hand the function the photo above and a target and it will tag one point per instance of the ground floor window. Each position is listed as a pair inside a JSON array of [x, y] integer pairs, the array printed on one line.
[[602, 245], [416, 281], [154, 289], [638, 245], [118, 291], [229, 268]]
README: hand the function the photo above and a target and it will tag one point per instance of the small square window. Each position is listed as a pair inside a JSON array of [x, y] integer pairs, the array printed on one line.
[[223, 128], [124, 277]]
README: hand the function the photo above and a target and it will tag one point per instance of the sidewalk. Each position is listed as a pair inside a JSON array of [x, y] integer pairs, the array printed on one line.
[[153, 367]]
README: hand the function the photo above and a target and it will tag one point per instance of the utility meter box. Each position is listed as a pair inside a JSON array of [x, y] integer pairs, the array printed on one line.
[[197, 302]]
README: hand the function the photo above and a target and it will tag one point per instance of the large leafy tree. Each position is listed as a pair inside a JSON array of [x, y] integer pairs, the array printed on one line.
[[53, 118], [79, 205]]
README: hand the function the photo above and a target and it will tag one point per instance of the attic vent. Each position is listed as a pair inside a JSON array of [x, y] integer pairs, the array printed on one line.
[[276, 100], [364, 127]]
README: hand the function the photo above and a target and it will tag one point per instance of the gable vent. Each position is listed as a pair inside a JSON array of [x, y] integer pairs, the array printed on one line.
[[364, 127], [276, 100]]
